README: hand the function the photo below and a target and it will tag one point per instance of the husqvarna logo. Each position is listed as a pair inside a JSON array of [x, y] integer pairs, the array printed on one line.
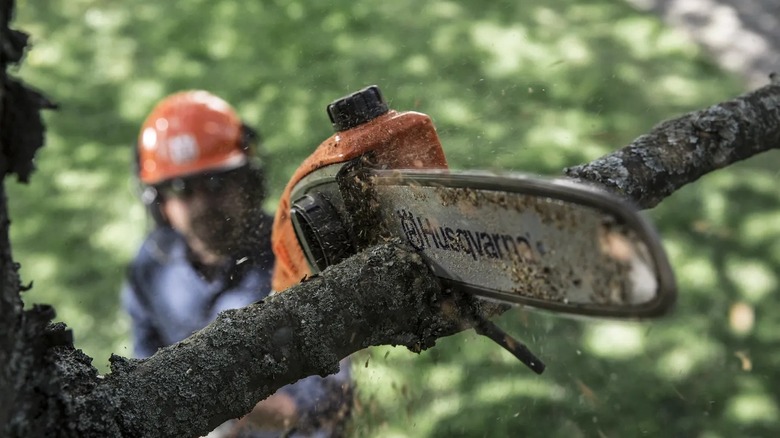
[[182, 149], [427, 233]]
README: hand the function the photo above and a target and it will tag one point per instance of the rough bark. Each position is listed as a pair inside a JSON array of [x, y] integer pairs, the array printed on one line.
[[246, 354], [681, 150], [383, 296], [25, 340]]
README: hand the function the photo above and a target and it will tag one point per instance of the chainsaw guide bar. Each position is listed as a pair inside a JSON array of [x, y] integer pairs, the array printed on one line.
[[545, 243]]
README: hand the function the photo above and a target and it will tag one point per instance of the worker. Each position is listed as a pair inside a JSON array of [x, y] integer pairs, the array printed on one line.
[[209, 250]]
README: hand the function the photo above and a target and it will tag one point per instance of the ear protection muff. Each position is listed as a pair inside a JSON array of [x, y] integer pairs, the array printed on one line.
[[152, 199]]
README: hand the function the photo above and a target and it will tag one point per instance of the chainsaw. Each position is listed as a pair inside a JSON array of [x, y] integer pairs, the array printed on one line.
[[545, 243]]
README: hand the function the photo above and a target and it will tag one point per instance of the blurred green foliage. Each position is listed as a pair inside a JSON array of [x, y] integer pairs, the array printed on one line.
[[530, 85]]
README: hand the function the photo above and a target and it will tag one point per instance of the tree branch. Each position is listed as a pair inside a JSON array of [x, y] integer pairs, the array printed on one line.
[[680, 151], [383, 296]]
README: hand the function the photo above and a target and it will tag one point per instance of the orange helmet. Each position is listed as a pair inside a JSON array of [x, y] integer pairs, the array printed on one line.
[[188, 133]]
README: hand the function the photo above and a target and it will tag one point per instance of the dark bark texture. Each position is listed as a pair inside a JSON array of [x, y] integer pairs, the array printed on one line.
[[679, 151], [26, 338], [382, 296], [246, 354]]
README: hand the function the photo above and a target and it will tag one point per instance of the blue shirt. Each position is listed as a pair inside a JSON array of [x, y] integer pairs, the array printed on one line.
[[168, 299]]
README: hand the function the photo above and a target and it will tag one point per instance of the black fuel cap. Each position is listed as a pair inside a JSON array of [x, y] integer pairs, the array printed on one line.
[[357, 108]]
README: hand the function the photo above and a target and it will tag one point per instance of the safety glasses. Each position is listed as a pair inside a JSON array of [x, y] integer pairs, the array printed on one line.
[[213, 184]]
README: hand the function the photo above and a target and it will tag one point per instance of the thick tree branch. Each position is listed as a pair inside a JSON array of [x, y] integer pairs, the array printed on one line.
[[679, 151], [383, 296]]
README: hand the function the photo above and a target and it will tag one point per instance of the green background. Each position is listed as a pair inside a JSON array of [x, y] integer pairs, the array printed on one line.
[[523, 85]]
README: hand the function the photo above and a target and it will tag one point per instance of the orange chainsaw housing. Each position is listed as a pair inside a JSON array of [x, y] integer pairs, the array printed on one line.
[[399, 140]]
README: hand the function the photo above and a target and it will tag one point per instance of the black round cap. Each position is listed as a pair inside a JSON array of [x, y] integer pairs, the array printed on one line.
[[357, 108]]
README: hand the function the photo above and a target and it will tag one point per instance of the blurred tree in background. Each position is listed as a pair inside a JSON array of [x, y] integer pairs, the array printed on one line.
[[529, 86]]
